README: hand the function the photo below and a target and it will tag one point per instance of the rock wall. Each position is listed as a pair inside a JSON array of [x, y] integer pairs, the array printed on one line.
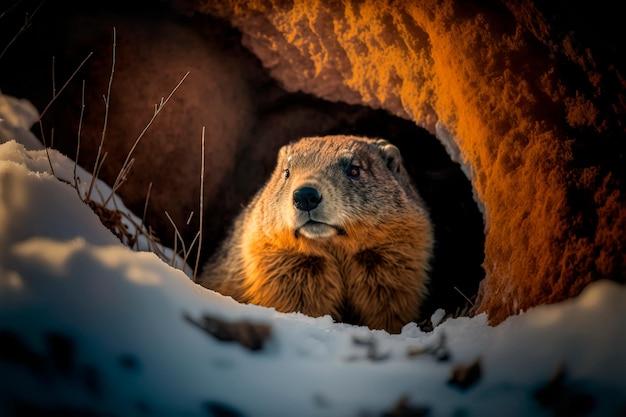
[[534, 111]]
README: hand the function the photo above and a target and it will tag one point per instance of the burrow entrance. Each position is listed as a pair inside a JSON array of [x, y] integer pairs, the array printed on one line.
[[247, 114]]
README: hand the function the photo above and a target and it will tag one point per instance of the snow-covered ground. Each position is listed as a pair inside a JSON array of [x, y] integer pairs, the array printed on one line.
[[88, 325]]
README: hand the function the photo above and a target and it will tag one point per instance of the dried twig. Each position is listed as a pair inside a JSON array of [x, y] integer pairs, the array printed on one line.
[[106, 118], [464, 296], [123, 177], [114, 201], [10, 9], [177, 234], [157, 110], [45, 110], [54, 86], [153, 241], [43, 113], [145, 206], [97, 173], [193, 242], [43, 139], [111, 218], [186, 250], [145, 210], [80, 127], [174, 252], [27, 22], [195, 269]]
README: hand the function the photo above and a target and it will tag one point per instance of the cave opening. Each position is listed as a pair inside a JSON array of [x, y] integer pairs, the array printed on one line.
[[245, 158], [456, 266]]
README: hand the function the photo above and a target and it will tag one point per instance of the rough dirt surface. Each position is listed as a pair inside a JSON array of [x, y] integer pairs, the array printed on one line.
[[533, 98]]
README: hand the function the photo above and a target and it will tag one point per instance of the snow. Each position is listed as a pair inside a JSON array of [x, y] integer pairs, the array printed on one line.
[[101, 327], [437, 316], [16, 118]]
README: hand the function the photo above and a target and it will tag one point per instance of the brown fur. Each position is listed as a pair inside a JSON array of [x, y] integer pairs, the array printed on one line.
[[377, 267]]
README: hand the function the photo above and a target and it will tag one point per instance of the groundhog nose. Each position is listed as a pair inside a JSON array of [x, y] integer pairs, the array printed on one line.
[[306, 198]]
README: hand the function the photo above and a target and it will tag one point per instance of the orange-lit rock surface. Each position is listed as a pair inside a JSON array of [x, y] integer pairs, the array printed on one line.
[[535, 116]]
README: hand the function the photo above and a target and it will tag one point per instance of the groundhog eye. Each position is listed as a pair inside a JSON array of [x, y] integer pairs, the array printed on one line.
[[286, 173], [353, 171]]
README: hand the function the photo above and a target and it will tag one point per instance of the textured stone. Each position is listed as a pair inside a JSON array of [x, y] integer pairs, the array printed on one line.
[[534, 116]]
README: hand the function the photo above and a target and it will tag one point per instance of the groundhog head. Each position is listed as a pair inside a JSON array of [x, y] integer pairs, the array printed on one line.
[[326, 187]]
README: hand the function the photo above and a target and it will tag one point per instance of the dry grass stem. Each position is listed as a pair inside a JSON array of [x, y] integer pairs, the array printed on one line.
[[145, 206], [10, 9], [80, 127], [54, 86], [45, 110], [195, 269], [27, 22], [145, 209], [174, 251], [106, 116], [464, 296], [45, 146], [97, 173], [177, 234], [124, 176], [193, 242]]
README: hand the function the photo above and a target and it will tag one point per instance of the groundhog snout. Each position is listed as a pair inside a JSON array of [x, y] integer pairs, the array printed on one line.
[[306, 198]]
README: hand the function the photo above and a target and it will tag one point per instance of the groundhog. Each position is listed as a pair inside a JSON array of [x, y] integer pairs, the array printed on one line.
[[338, 229]]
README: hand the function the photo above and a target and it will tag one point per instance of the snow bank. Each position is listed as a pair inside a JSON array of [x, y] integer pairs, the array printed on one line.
[[88, 325]]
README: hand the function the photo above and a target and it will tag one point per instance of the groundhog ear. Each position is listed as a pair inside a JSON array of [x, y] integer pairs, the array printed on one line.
[[391, 155]]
